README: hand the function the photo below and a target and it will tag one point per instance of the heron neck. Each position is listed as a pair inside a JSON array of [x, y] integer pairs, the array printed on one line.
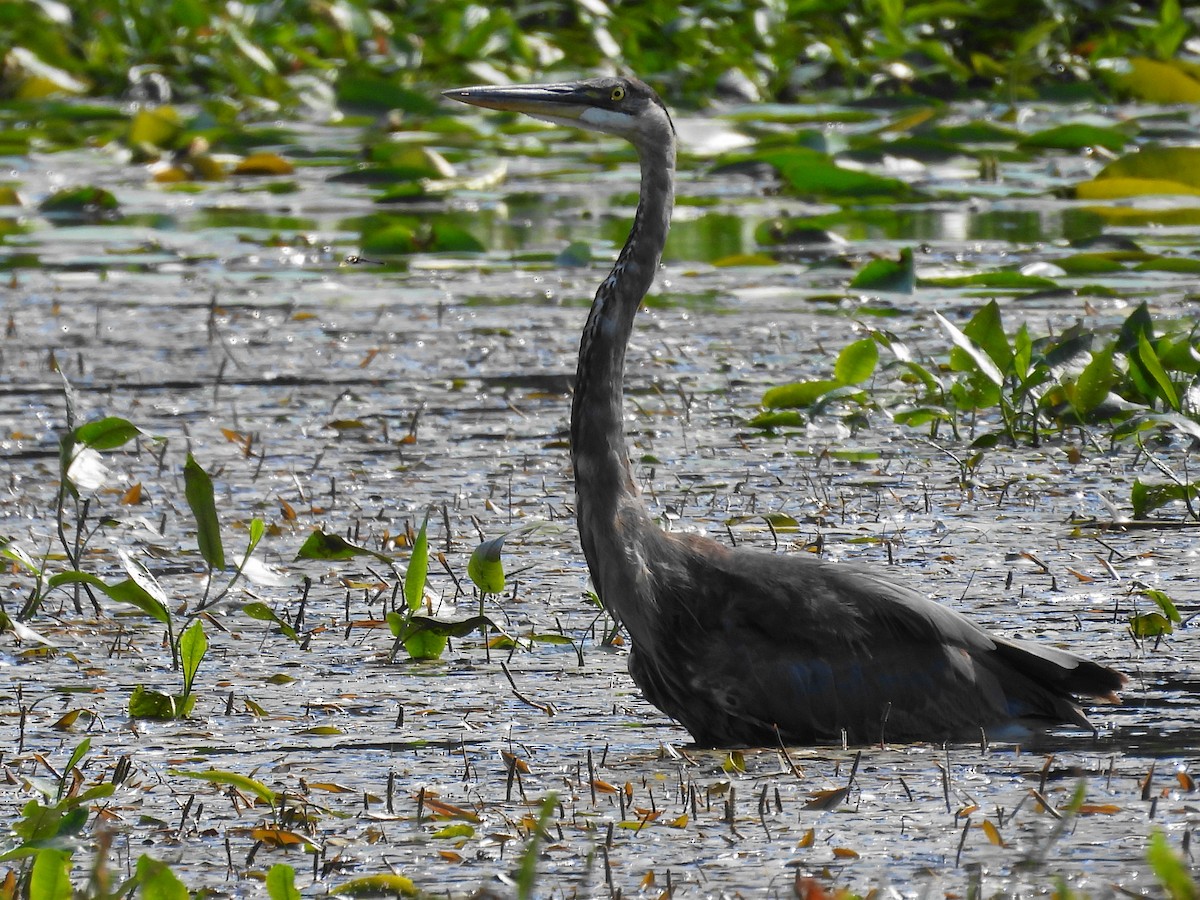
[[603, 478]]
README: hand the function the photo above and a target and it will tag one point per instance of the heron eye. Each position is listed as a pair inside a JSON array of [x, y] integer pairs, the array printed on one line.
[[618, 94]]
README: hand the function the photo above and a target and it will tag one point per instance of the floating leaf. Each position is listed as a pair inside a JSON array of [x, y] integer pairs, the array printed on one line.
[[264, 613], [157, 128], [1155, 81], [827, 799], [264, 164], [899, 276], [388, 885], [1149, 625], [147, 704], [799, 395], [241, 782], [1077, 136], [274, 836], [90, 202], [320, 545], [577, 253], [425, 645], [809, 173], [1004, 280], [461, 830]]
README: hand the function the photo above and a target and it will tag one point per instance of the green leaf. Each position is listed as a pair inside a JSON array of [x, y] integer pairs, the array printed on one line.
[[977, 354], [320, 545], [257, 530], [264, 613], [156, 881], [448, 238], [107, 433], [799, 395], [243, 783], [1154, 81], [1163, 602], [1077, 136], [486, 568], [899, 275], [1148, 359], [80, 752], [526, 874], [403, 628], [10, 550], [1147, 496], [281, 883], [1095, 382], [1170, 869], [388, 885], [1137, 323], [159, 127], [809, 173], [50, 877], [418, 569], [123, 592], [1150, 625], [425, 645], [147, 704], [81, 201], [787, 418], [1003, 280], [986, 331], [856, 363], [199, 491], [193, 644], [457, 830]]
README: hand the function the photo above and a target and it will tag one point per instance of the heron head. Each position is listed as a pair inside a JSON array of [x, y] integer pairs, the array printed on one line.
[[625, 107]]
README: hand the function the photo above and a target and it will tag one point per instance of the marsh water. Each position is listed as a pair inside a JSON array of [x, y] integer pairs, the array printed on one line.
[[224, 320]]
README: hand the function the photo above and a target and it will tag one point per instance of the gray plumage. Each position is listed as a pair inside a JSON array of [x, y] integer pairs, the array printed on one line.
[[744, 647]]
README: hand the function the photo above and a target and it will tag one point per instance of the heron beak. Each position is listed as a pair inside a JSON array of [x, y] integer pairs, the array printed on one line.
[[563, 103]]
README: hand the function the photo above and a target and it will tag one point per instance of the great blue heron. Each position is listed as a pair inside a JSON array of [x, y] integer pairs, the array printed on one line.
[[746, 647]]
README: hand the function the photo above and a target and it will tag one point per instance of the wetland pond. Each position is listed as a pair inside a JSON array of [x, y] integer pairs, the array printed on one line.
[[222, 320]]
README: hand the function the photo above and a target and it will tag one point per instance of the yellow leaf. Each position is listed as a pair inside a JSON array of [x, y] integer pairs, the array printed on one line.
[[331, 787], [264, 164], [1115, 188], [993, 833], [845, 853], [133, 496], [1158, 82], [681, 822], [274, 836], [810, 838]]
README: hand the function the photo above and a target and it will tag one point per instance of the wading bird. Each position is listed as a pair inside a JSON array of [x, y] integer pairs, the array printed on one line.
[[746, 647]]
